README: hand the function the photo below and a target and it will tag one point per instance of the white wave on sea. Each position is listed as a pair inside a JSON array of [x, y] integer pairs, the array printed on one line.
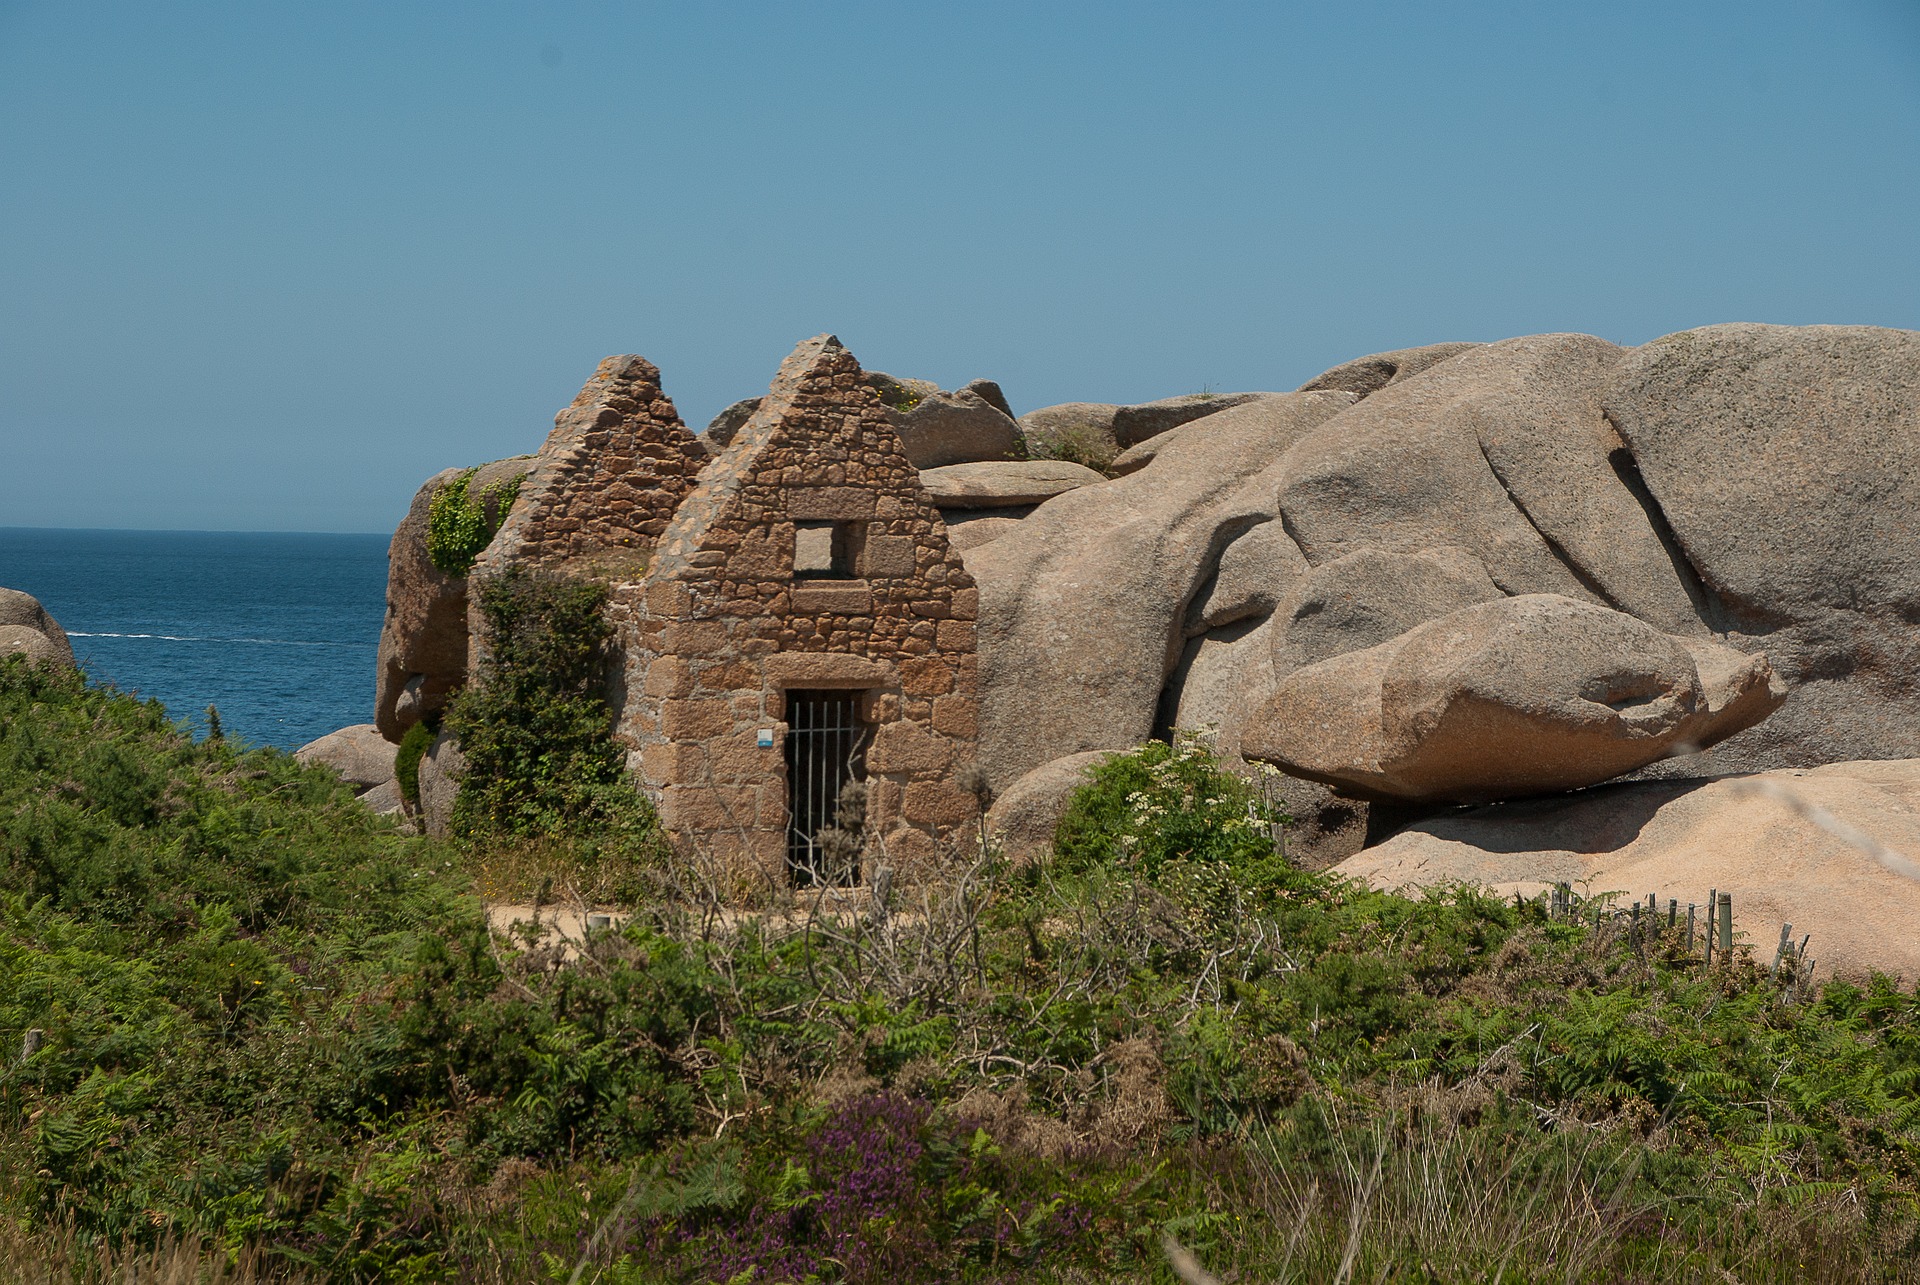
[[262, 642]]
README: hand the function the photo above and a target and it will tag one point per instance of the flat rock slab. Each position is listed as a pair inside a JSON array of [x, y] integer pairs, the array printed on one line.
[[969, 529], [1752, 836], [560, 928], [1004, 484]]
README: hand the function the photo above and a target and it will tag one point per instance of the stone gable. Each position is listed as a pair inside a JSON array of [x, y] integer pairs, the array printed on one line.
[[606, 482], [808, 558]]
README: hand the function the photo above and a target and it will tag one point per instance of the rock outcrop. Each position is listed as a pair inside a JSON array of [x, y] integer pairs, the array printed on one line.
[[1441, 574], [423, 641], [1784, 462], [359, 755], [1133, 425], [1101, 434], [721, 428], [1364, 375], [1083, 605], [27, 630], [1752, 836], [1518, 696], [594, 499], [955, 428], [971, 528], [1081, 431], [1744, 492], [989, 392], [440, 771]]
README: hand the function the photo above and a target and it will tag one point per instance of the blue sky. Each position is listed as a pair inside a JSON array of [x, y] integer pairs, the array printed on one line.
[[270, 265]]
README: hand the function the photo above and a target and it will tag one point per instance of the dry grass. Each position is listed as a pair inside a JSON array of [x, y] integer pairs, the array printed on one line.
[[59, 1257], [1431, 1200]]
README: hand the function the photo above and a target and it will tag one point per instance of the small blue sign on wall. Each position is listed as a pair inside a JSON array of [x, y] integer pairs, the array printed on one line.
[[766, 738]]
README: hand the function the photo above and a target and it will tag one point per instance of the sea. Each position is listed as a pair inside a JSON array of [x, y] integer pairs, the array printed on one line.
[[276, 630]]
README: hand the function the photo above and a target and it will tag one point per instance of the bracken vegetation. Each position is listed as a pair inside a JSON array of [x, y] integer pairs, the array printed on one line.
[[251, 1030]]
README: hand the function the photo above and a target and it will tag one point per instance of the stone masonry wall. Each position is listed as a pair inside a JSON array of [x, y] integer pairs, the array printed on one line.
[[606, 482], [720, 628]]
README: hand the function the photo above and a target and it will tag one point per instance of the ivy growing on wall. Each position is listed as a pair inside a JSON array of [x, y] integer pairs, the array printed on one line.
[[458, 526]]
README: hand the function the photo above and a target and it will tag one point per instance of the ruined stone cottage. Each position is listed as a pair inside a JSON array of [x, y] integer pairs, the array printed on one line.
[[788, 614], [804, 623]]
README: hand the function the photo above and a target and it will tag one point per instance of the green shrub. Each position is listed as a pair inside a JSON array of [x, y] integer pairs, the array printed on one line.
[[1165, 802], [901, 395], [406, 761], [458, 525], [535, 725]]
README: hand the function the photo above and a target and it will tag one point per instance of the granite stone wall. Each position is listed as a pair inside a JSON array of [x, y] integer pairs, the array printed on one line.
[[606, 482]]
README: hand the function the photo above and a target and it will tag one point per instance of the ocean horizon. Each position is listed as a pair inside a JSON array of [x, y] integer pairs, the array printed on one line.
[[278, 630]]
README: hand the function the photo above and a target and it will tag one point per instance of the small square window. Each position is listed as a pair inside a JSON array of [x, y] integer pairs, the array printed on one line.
[[827, 550]]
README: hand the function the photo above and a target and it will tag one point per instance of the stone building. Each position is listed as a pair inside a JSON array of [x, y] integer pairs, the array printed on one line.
[[803, 623], [788, 615]]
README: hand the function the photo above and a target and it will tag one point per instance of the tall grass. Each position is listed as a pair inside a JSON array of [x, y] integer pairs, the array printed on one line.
[[65, 1257]]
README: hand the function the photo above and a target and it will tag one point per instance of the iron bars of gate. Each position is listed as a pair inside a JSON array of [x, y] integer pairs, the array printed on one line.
[[826, 749]]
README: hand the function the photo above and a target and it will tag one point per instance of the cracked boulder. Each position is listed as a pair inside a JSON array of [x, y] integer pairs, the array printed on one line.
[[1528, 695], [1785, 463]]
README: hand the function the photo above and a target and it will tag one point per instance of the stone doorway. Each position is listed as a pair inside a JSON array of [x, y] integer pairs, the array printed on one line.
[[826, 747]]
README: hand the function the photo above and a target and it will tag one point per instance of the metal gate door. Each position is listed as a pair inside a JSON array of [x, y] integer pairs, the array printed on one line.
[[826, 748]]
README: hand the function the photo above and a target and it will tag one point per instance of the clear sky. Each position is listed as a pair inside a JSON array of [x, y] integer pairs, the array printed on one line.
[[269, 265]]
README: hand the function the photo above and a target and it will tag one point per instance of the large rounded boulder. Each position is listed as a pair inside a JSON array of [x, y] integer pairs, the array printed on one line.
[[1084, 604], [1519, 696], [27, 630]]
